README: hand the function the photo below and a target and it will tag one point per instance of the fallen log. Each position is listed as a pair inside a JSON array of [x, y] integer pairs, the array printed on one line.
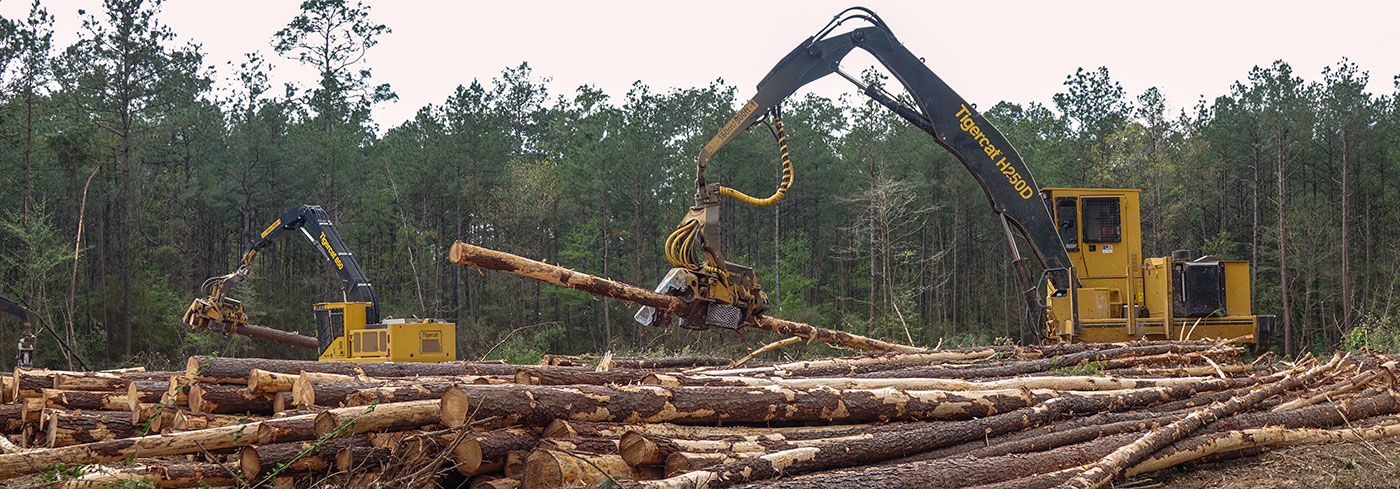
[[89, 400], [397, 416], [1106, 358], [1217, 443], [1066, 383], [881, 445], [228, 370], [465, 254], [262, 462], [72, 427], [539, 405], [547, 469], [477, 450], [104, 381], [145, 391], [678, 463], [955, 472], [265, 382], [1112, 465], [561, 428], [228, 399], [152, 474]]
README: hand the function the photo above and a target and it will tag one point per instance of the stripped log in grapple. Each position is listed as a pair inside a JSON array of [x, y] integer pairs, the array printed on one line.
[[465, 254]]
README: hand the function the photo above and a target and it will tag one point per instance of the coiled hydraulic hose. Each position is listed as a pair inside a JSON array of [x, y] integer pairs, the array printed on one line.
[[783, 183]]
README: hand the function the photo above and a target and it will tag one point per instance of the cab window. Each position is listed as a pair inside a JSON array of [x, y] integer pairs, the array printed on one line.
[[1067, 221], [1101, 220]]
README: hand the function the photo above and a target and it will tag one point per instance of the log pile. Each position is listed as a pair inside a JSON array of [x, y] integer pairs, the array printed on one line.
[[1048, 416]]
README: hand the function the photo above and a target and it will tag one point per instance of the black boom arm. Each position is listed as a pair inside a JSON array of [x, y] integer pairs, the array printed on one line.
[[952, 121], [312, 222]]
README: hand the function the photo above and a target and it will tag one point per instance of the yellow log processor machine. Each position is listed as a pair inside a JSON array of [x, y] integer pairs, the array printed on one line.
[[1099, 287], [347, 330]]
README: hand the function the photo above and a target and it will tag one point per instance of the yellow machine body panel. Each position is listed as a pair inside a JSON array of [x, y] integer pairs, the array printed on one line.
[[344, 335], [1122, 296]]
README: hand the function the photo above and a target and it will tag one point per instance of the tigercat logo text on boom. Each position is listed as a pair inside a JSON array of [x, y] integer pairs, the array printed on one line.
[[335, 257], [1013, 177]]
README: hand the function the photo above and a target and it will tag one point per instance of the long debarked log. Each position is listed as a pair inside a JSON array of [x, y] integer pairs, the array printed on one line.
[[1111, 466], [161, 475], [228, 370], [465, 254]]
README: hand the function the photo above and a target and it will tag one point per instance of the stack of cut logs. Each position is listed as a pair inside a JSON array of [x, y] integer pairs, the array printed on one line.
[[1048, 416]]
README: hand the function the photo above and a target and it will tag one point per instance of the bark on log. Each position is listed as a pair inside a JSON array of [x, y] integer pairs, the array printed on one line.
[[465, 254], [561, 428], [228, 399], [1111, 466], [361, 458], [228, 370], [287, 429], [264, 461], [90, 400], [265, 382], [678, 463], [397, 416], [64, 428], [182, 420], [577, 375], [1217, 443], [274, 335], [881, 445], [547, 469], [477, 450], [11, 417], [956, 472], [402, 393], [668, 362], [1067, 383], [1107, 358], [306, 393], [145, 391], [105, 381], [163, 475], [538, 405]]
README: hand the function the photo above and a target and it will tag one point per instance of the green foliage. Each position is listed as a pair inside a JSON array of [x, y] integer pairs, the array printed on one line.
[[1375, 333], [883, 233]]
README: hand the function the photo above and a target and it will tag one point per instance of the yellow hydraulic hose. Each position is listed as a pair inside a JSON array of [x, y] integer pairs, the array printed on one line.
[[783, 183]]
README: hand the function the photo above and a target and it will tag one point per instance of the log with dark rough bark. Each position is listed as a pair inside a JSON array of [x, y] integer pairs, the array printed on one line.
[[882, 445], [1112, 465], [397, 416], [155, 474], [477, 450], [1127, 356], [560, 428], [547, 469], [286, 429], [577, 375], [954, 472], [465, 254], [539, 405], [105, 381], [72, 427], [90, 400], [678, 463], [146, 391], [228, 399], [259, 463], [228, 370]]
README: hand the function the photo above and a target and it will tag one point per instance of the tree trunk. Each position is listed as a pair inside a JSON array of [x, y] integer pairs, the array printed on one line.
[[227, 370], [64, 428], [1283, 254], [228, 399], [90, 400], [465, 254]]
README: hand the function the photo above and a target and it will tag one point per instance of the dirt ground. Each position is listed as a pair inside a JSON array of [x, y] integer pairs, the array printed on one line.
[[1355, 465]]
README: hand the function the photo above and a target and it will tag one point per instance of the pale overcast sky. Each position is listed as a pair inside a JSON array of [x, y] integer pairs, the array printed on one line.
[[1019, 51]]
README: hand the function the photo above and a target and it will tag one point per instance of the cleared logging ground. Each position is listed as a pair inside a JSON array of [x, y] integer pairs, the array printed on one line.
[[1053, 416]]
